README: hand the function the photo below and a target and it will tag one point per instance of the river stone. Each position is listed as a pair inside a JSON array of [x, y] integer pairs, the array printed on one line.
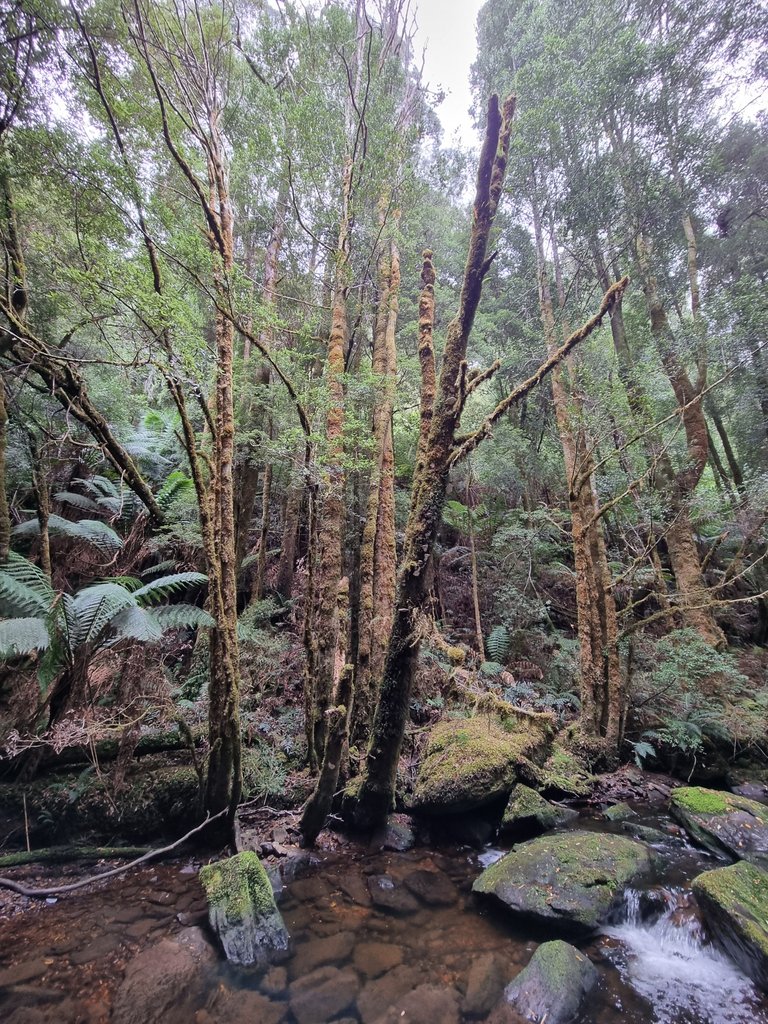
[[569, 878], [723, 822], [734, 901], [551, 988], [162, 977], [373, 959], [318, 952], [427, 1004], [472, 762], [485, 984], [323, 994], [381, 993], [619, 812], [242, 910], [528, 813], [396, 835], [432, 888], [387, 894]]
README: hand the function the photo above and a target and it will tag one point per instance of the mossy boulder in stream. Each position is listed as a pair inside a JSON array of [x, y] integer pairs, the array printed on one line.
[[552, 987], [723, 823], [734, 901], [242, 910], [473, 762], [527, 814], [571, 879], [566, 773]]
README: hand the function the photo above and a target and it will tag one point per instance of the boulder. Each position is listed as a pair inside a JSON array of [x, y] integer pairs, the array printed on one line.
[[571, 879], [242, 910], [724, 823], [396, 834], [432, 887], [473, 762], [734, 901], [619, 812], [163, 978], [323, 994], [527, 814], [565, 773], [551, 988]]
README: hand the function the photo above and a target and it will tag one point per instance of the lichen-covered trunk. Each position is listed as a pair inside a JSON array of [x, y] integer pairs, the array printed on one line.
[[693, 604], [331, 512], [601, 690], [377, 551], [376, 794], [5, 516], [291, 519]]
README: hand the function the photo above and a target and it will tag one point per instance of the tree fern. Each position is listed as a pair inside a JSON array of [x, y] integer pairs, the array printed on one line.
[[164, 566], [176, 485], [23, 636], [162, 588], [17, 598]]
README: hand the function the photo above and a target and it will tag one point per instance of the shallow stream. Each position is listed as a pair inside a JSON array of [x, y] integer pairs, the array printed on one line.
[[356, 959]]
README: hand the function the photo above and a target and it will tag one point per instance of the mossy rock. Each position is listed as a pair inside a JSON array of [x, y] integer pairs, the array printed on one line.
[[619, 812], [473, 762], [571, 879], [723, 823], [528, 814], [156, 801], [243, 912], [565, 773], [734, 901], [552, 986]]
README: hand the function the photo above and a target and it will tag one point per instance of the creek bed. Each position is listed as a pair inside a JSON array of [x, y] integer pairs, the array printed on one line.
[[356, 958]]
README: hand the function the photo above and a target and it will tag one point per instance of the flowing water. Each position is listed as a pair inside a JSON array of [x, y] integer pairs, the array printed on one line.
[[356, 958]]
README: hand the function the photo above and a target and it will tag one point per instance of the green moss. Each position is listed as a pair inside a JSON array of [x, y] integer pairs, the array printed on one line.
[[471, 762], [526, 804], [238, 885], [735, 903], [566, 772], [699, 800]]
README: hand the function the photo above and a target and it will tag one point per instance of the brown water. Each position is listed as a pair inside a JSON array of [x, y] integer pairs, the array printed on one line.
[[356, 958]]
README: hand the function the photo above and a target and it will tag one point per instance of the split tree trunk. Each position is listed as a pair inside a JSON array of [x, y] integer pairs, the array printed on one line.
[[378, 788]]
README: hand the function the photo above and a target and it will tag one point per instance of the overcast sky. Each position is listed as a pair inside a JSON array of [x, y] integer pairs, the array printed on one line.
[[447, 29]]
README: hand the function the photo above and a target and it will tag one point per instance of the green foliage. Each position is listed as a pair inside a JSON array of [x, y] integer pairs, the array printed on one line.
[[88, 531], [498, 643]]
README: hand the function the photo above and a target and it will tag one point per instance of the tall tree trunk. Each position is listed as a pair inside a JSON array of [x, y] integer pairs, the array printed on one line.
[[377, 791], [601, 689], [291, 519], [5, 515], [377, 551], [693, 603]]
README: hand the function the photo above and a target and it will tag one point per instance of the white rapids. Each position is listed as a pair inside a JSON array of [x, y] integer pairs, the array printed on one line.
[[668, 962]]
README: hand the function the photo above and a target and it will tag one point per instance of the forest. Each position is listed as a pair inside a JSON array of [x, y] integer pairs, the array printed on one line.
[[382, 518]]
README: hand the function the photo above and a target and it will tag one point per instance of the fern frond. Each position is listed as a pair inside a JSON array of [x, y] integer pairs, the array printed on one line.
[[22, 636], [164, 566], [183, 616], [162, 588], [136, 624], [176, 485], [19, 598], [76, 500], [497, 644], [96, 606], [88, 531]]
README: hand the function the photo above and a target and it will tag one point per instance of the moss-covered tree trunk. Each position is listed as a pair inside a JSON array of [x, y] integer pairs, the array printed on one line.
[[377, 551], [377, 791], [601, 690]]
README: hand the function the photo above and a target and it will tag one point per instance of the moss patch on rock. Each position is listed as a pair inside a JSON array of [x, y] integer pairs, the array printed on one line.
[[724, 823], [734, 901], [471, 762], [572, 878], [242, 909], [553, 984], [566, 773], [528, 813]]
